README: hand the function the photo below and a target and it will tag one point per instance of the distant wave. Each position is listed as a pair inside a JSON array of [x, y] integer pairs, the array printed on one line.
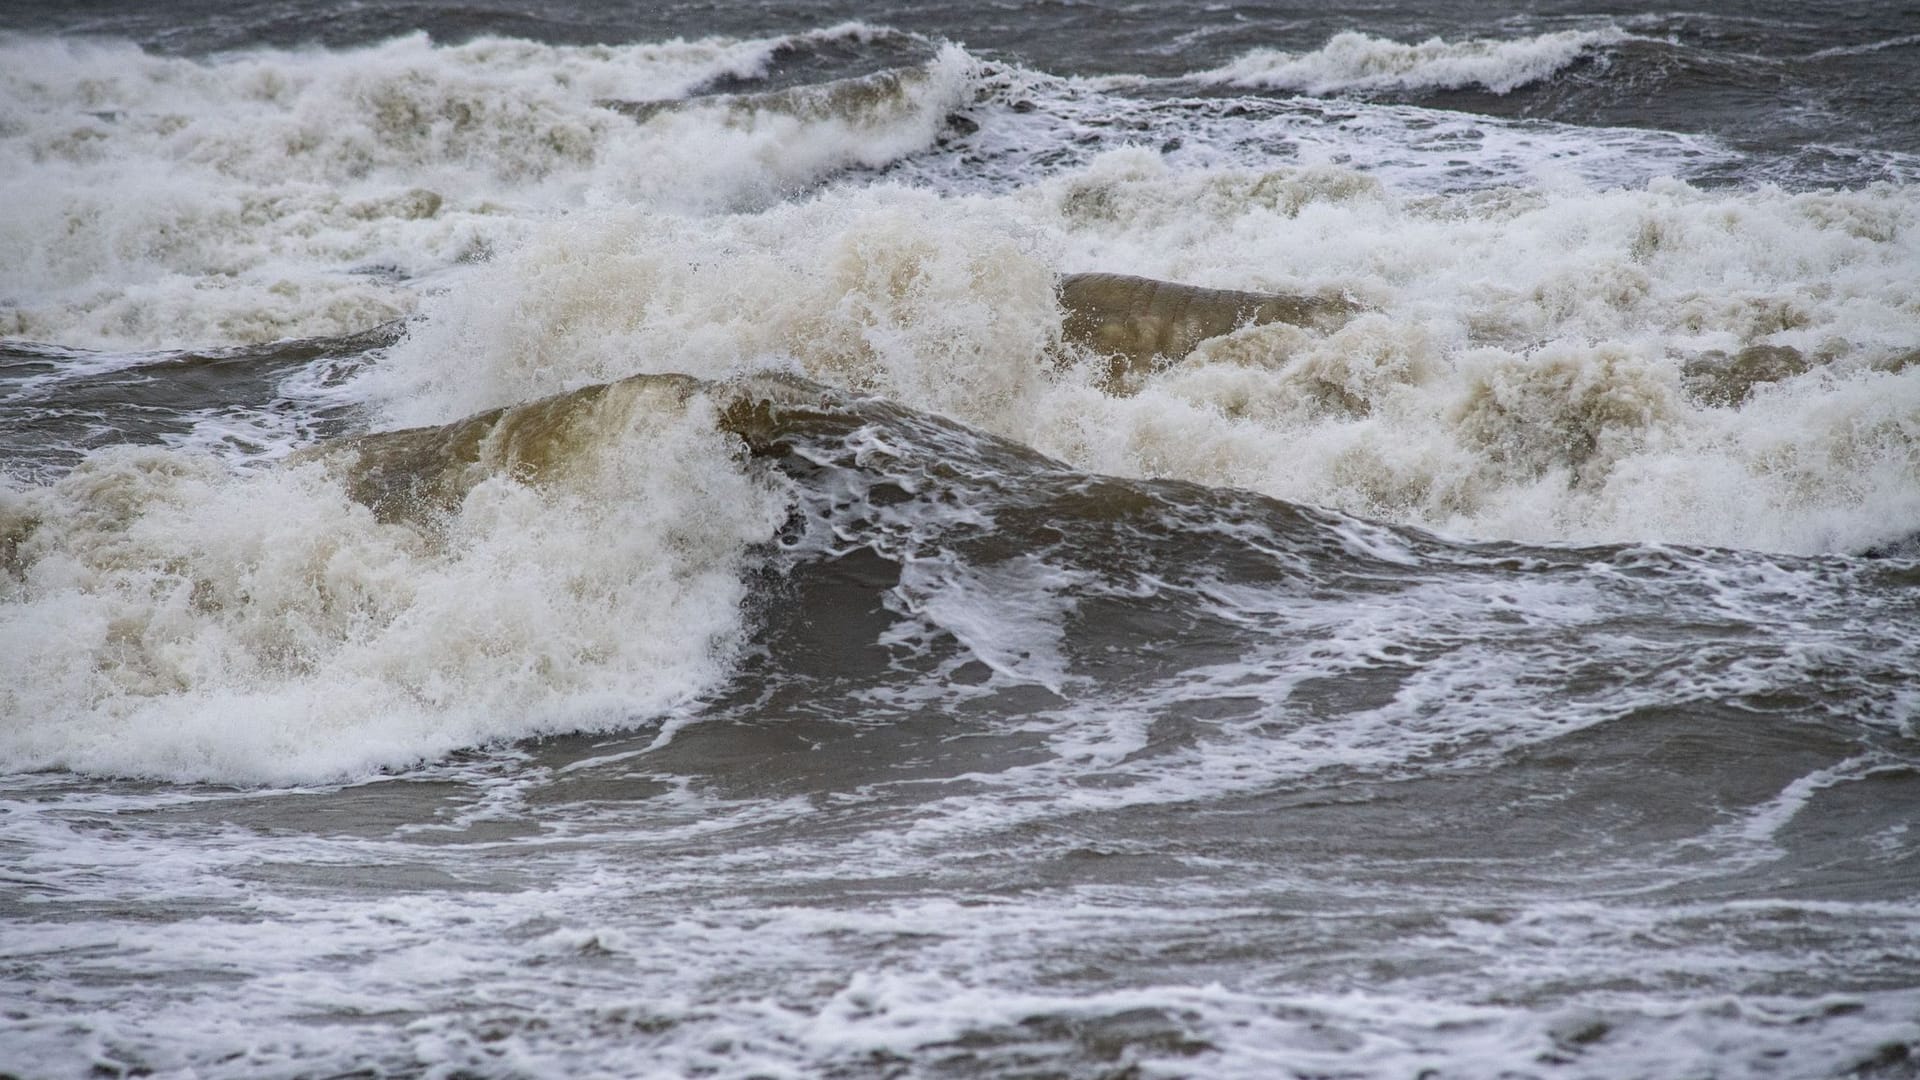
[[1905, 41], [1354, 62]]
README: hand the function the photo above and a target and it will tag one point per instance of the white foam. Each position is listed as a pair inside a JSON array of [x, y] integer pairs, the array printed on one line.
[[1353, 62], [158, 201], [851, 288], [593, 963], [1007, 616], [1527, 365], [1033, 126], [174, 618]]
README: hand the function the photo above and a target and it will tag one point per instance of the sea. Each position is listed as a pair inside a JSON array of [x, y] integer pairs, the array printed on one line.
[[562, 538]]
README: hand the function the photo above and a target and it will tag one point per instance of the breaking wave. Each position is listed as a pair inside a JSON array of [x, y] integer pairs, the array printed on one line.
[[161, 202], [1357, 63], [1725, 368], [166, 615]]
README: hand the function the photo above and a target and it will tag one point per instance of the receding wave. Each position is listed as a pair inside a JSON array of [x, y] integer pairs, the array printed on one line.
[[1357, 63], [56, 404]]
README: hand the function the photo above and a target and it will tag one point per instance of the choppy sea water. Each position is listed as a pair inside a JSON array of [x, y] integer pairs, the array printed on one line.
[[575, 543]]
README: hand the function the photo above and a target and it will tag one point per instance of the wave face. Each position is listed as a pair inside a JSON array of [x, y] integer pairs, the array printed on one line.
[[1081, 540], [968, 666]]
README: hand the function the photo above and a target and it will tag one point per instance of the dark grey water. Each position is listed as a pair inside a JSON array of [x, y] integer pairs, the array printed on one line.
[[1513, 676]]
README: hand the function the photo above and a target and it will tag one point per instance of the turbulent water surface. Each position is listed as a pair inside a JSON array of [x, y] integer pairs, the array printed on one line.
[[618, 540]]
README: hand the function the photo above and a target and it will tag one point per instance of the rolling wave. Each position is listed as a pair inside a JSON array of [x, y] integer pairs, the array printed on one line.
[[1358, 63]]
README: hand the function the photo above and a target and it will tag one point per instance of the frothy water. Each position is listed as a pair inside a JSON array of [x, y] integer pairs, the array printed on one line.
[[1355, 62], [171, 618], [522, 556], [995, 714], [1575, 367]]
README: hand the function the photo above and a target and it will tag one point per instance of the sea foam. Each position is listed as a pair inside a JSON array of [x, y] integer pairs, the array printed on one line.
[[1547, 366], [169, 202], [1357, 63], [168, 616]]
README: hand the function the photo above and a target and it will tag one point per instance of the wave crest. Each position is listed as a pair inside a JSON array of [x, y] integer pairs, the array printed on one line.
[[161, 202], [573, 564], [1353, 62]]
